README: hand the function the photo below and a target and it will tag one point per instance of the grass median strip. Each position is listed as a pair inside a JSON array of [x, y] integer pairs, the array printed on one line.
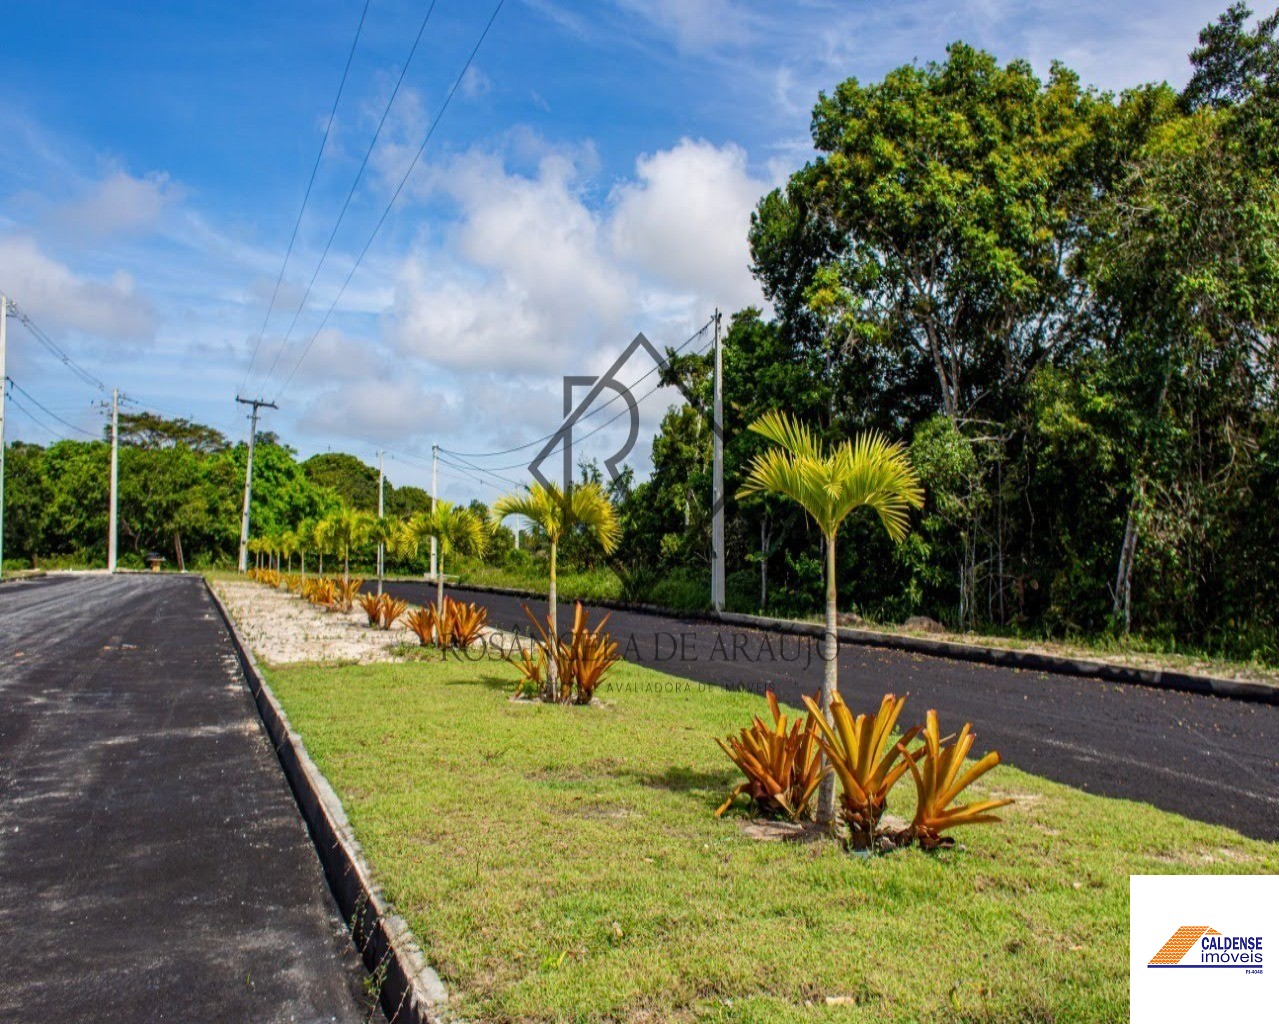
[[564, 863]]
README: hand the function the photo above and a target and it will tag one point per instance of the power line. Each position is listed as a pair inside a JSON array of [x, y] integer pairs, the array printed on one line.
[[53, 347], [396, 195], [36, 420], [345, 205], [306, 197], [480, 469], [587, 415], [49, 412], [582, 437]]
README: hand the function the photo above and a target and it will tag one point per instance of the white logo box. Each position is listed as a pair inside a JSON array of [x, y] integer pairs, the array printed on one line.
[[1214, 943]]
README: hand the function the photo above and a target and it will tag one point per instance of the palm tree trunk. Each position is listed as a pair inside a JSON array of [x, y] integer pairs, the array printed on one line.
[[552, 675], [346, 565], [303, 557], [321, 563], [830, 679]]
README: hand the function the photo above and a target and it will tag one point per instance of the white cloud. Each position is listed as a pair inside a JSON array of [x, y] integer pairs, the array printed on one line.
[[475, 83], [695, 25], [684, 221], [120, 204], [534, 278], [59, 299]]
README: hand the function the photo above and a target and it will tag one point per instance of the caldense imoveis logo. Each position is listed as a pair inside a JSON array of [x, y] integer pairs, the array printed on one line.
[[1197, 945]]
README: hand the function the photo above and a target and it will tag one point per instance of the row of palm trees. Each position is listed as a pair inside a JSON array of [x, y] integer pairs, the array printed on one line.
[[828, 481]]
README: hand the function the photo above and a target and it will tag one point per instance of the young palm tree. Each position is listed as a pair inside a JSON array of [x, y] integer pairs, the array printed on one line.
[[305, 536], [382, 532], [322, 539], [557, 512], [453, 528], [828, 484], [348, 529], [289, 547]]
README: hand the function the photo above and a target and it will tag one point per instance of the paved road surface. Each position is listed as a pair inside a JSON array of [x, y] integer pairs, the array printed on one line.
[[1208, 758], [153, 865]]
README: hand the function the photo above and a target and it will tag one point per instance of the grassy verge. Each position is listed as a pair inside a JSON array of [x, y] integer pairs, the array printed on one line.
[[563, 864]]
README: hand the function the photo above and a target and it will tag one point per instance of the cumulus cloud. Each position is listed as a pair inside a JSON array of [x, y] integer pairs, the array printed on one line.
[[534, 277], [60, 299], [120, 204], [684, 220]]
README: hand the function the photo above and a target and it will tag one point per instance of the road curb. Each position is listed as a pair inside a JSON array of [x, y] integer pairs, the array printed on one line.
[[1030, 661], [411, 992]]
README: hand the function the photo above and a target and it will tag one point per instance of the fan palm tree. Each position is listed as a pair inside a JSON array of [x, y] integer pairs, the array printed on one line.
[[322, 539], [348, 529], [453, 528], [382, 531], [829, 483], [557, 511], [305, 539], [289, 548]]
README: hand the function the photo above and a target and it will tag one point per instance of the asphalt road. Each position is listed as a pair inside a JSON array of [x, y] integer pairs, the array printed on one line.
[[1205, 757], [153, 864]]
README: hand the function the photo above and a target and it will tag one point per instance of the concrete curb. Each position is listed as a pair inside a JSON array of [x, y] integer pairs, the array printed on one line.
[[411, 992], [1030, 661]]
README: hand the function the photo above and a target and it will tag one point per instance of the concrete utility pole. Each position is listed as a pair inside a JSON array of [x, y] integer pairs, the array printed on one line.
[[518, 524], [717, 479], [113, 529], [257, 403], [435, 486], [4, 391], [381, 550]]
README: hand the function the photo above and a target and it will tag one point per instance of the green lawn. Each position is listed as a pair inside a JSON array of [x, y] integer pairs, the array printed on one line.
[[563, 863]]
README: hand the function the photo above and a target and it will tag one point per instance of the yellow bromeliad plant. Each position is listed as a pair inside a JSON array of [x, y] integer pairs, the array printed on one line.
[[936, 769], [865, 759]]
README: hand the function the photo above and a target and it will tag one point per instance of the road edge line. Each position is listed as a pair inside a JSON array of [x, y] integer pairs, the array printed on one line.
[[411, 990]]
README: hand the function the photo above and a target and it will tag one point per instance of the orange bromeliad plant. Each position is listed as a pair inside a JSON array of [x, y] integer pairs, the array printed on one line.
[[782, 763], [422, 623], [372, 605], [936, 770], [392, 609]]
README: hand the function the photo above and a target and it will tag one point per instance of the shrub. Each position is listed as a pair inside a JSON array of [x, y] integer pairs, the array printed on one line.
[[372, 605], [782, 764], [865, 760], [936, 770], [422, 624], [392, 609], [581, 658], [466, 622]]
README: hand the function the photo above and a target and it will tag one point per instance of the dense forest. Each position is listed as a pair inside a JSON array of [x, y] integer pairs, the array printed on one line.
[[1064, 301]]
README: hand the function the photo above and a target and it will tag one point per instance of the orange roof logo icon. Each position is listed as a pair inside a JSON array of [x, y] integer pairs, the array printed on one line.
[[1182, 941]]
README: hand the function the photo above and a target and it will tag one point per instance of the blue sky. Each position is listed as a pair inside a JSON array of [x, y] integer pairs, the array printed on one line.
[[593, 177]]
